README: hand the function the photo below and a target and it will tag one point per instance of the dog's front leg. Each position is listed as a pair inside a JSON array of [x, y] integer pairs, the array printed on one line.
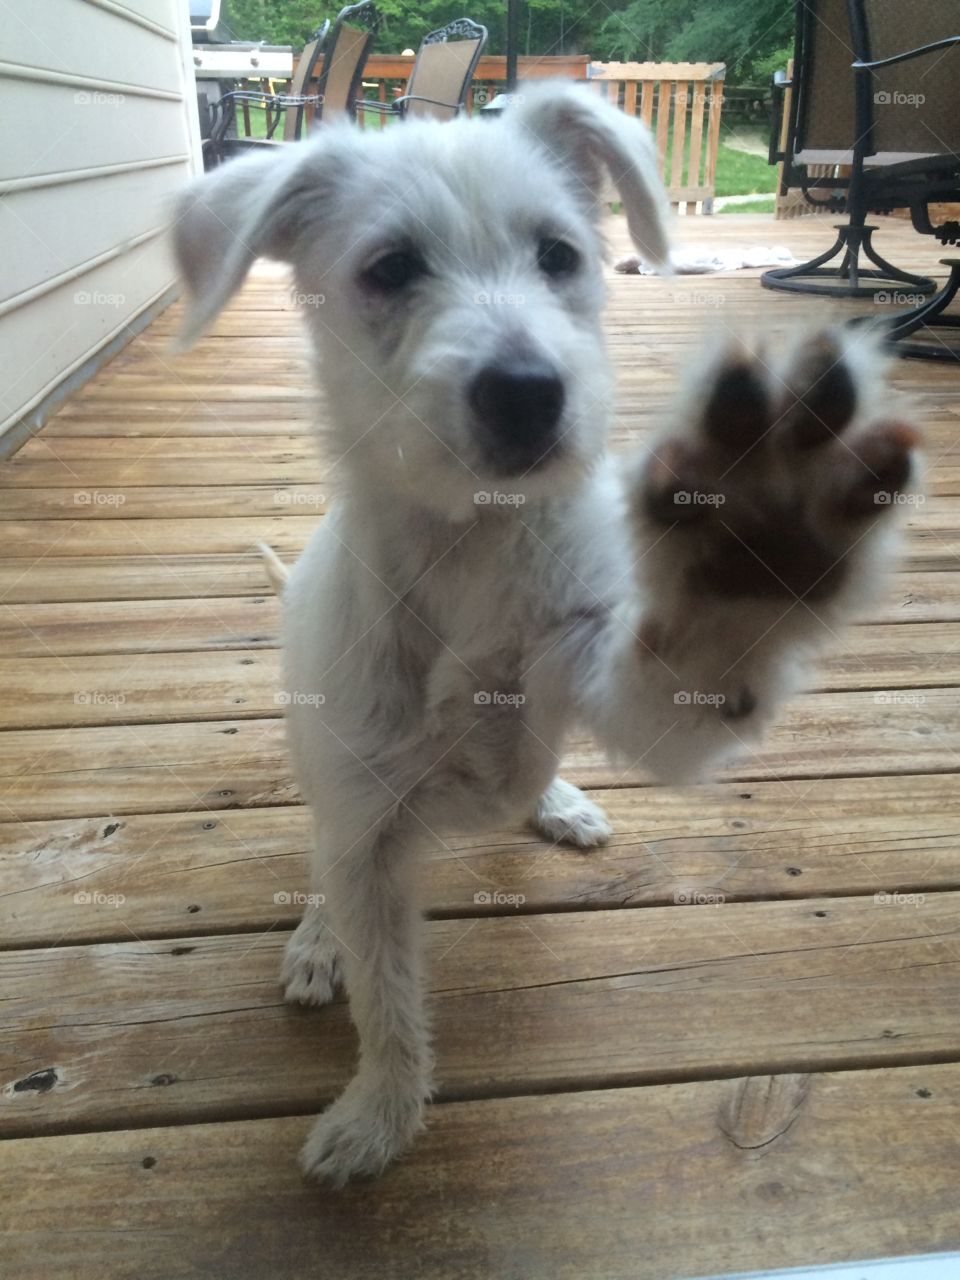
[[373, 914], [760, 523]]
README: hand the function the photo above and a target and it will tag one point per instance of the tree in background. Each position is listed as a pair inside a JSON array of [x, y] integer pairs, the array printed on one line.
[[750, 36]]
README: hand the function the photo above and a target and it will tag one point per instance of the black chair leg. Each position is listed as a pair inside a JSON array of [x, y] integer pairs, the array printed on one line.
[[851, 241], [928, 315]]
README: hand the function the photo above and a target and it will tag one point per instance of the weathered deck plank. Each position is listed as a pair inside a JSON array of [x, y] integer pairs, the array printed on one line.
[[623, 1184], [150, 1032]]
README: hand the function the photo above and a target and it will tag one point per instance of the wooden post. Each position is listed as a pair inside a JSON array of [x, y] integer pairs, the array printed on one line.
[[713, 142], [700, 92]]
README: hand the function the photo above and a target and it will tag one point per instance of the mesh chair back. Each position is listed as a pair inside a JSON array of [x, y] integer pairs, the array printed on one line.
[[343, 71], [443, 72], [300, 85], [915, 105]]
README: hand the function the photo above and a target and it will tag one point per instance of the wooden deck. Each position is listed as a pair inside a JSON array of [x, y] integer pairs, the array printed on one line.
[[631, 1087]]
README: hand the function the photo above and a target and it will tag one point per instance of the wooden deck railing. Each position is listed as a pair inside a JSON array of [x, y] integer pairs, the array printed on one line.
[[680, 101]]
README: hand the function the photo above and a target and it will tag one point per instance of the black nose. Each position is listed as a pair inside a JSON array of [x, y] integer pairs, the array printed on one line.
[[518, 402]]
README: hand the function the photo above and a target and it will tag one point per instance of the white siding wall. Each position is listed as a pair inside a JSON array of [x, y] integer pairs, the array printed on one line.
[[97, 131]]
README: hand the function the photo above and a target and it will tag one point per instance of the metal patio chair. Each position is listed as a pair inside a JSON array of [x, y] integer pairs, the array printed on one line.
[[876, 93], [344, 45], [442, 73]]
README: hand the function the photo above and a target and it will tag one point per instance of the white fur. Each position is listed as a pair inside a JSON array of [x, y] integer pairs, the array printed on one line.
[[417, 618]]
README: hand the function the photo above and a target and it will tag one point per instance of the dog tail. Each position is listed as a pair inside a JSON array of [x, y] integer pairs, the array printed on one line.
[[277, 571]]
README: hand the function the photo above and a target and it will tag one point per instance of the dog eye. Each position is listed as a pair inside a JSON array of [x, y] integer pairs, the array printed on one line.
[[394, 271], [557, 257]]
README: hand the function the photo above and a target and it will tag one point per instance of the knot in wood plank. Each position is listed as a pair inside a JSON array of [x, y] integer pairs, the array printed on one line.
[[761, 1109]]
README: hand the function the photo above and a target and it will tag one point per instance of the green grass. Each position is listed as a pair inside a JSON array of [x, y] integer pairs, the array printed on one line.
[[762, 204], [741, 174]]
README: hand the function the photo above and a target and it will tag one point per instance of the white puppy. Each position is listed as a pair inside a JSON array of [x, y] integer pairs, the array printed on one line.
[[487, 578]]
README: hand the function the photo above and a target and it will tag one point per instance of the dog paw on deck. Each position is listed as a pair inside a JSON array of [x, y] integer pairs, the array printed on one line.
[[362, 1132], [564, 815], [311, 965]]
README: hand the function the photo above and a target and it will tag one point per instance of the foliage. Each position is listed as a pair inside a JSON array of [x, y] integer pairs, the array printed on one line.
[[748, 35], [742, 33]]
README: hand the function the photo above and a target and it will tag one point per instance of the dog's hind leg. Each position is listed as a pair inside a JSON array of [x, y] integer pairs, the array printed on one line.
[[373, 912], [565, 815]]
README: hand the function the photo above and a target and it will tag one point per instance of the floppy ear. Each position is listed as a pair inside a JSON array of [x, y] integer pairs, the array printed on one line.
[[242, 210], [591, 139]]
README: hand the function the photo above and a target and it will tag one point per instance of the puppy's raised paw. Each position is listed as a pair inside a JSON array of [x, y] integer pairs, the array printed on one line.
[[766, 491]]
